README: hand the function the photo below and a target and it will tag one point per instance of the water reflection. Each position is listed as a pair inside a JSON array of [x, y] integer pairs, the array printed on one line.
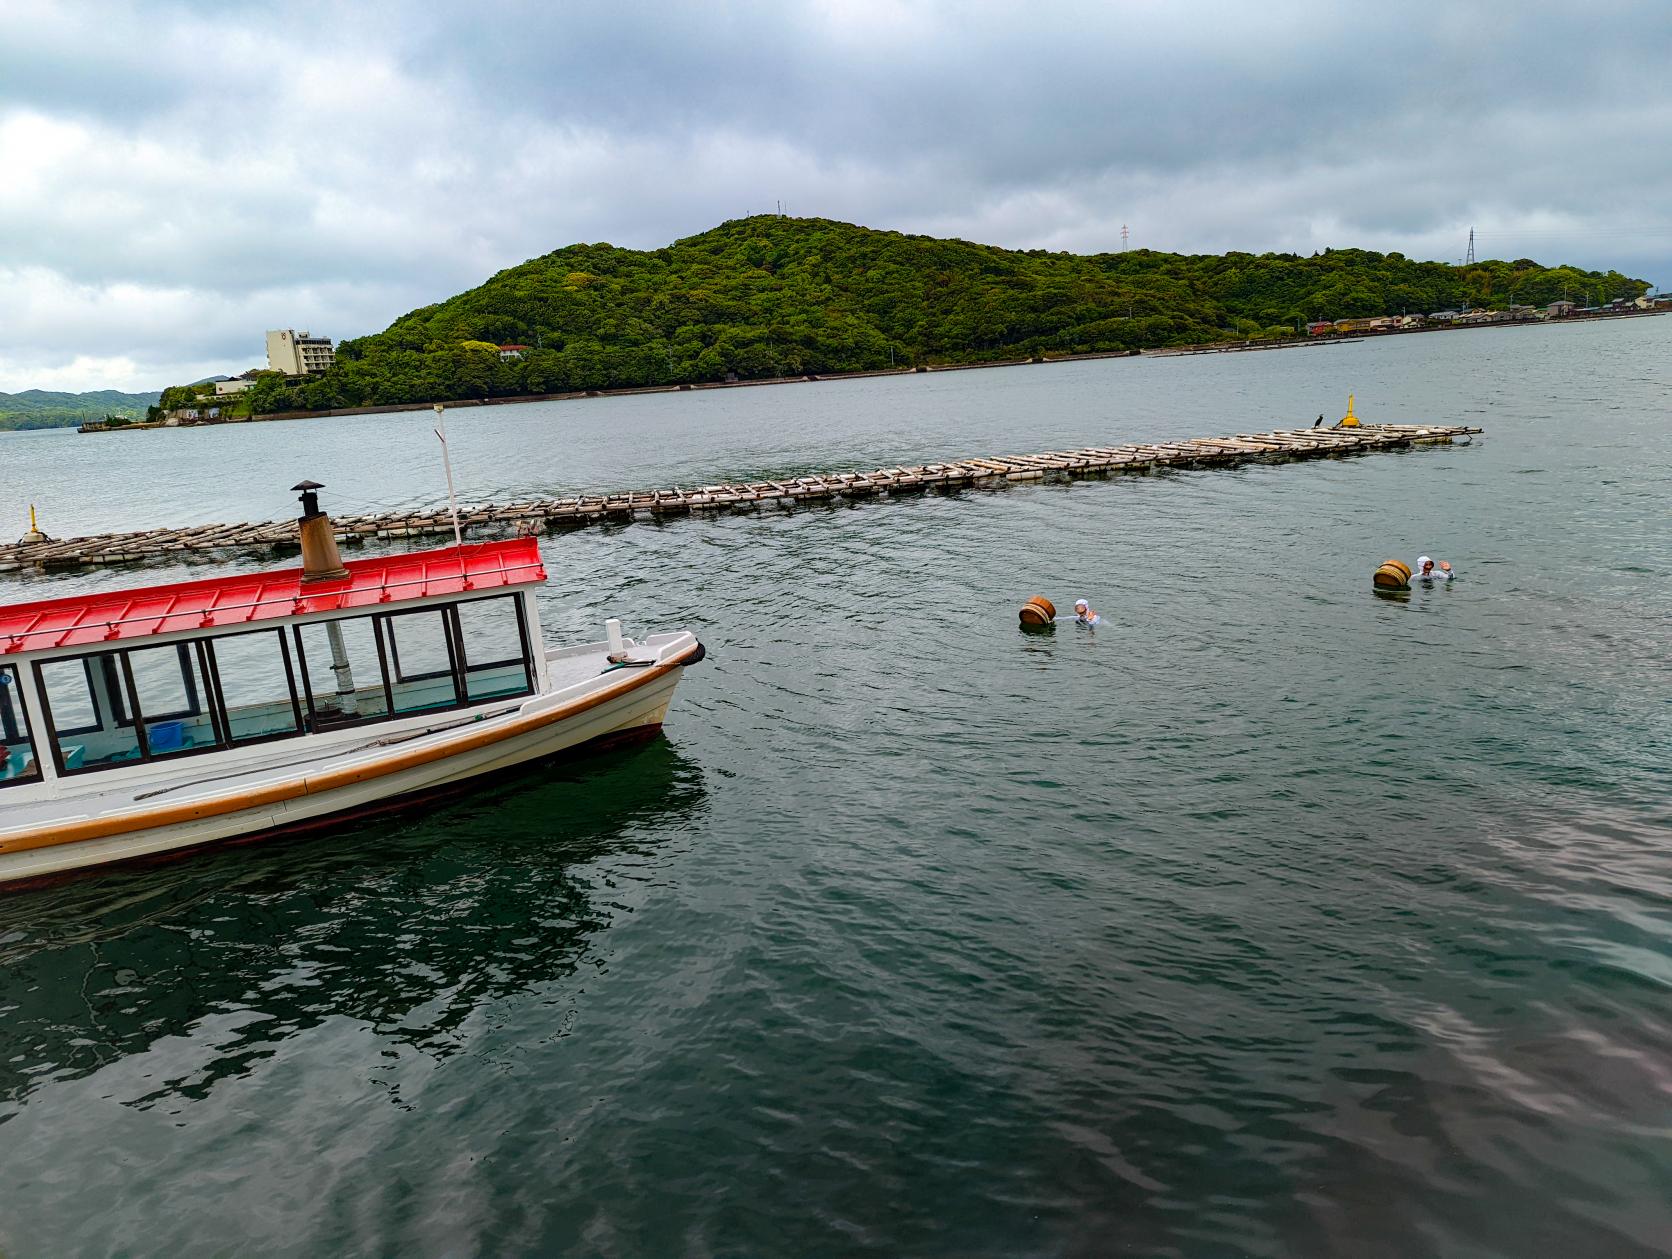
[[407, 925]]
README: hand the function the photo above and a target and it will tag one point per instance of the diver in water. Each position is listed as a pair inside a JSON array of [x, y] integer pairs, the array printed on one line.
[[1426, 571], [1085, 614]]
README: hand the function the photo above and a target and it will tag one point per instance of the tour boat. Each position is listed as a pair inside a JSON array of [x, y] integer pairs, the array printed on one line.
[[146, 721]]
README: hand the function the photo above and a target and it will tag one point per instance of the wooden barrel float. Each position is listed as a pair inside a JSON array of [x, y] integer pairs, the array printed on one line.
[[1392, 575], [1038, 611]]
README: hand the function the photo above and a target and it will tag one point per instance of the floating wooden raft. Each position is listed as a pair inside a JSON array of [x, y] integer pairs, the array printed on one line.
[[537, 515]]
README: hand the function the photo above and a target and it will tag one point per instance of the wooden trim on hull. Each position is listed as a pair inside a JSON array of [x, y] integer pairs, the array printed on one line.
[[330, 780]]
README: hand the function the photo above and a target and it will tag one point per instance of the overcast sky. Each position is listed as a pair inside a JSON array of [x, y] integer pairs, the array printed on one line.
[[175, 178]]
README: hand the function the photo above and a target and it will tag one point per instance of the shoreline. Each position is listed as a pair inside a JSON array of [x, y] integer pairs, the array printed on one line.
[[1210, 347]]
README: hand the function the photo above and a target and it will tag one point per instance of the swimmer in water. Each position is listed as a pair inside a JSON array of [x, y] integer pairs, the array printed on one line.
[[1426, 570], [1085, 614]]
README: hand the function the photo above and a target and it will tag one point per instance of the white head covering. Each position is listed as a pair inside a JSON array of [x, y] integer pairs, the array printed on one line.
[[1421, 560], [1081, 603]]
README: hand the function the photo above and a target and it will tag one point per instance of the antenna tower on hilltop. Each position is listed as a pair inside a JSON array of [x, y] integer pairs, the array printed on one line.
[[1123, 238], [1470, 260]]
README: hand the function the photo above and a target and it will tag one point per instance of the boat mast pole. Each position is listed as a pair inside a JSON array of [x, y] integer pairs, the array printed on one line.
[[447, 463]]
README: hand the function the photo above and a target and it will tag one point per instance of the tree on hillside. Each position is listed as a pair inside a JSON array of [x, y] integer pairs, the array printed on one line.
[[770, 296]]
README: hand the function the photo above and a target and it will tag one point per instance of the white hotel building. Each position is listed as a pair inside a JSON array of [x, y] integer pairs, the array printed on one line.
[[297, 353]]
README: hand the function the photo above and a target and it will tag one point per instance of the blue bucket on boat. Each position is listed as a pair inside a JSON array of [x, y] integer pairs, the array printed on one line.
[[166, 736]]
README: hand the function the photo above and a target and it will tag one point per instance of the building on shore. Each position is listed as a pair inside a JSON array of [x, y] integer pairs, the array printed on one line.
[[179, 416], [298, 353], [1375, 323]]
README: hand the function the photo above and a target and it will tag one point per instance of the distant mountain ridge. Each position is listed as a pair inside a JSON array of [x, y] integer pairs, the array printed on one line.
[[771, 296], [44, 408]]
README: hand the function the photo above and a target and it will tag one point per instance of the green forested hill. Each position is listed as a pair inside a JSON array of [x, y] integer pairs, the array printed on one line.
[[41, 408], [774, 296]]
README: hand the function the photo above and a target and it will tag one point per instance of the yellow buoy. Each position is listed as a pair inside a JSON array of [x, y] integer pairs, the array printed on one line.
[[34, 534], [1349, 420], [1392, 575]]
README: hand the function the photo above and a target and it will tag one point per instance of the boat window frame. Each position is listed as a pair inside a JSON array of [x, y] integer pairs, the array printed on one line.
[[126, 710], [105, 659], [193, 696], [387, 619], [111, 689], [456, 655], [294, 638], [382, 672], [114, 688], [15, 728], [129, 712], [218, 704], [466, 668], [56, 736], [10, 730]]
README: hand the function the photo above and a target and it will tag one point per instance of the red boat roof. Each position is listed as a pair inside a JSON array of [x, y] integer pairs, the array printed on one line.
[[226, 602]]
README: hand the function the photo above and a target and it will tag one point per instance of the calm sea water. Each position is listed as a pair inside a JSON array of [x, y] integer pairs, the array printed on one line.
[[1269, 919]]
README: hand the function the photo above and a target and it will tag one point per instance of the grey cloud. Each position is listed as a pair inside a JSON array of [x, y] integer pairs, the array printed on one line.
[[1091, 83], [346, 163]]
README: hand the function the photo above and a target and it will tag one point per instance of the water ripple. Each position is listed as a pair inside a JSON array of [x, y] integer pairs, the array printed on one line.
[[1268, 919]]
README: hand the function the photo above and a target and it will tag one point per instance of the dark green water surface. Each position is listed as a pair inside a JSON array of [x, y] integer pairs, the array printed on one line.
[[1271, 918]]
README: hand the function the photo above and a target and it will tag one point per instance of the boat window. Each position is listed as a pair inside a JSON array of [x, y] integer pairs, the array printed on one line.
[[74, 710], [86, 711], [420, 660], [341, 667], [168, 683], [494, 641], [265, 684], [78, 708], [254, 675], [17, 749]]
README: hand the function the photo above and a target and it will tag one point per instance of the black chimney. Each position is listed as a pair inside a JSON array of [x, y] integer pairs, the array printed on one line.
[[310, 499]]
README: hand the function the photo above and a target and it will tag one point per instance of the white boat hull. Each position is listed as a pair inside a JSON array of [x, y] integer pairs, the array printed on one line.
[[415, 765]]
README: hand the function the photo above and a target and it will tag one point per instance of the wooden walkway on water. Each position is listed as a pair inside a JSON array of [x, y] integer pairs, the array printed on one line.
[[541, 515]]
